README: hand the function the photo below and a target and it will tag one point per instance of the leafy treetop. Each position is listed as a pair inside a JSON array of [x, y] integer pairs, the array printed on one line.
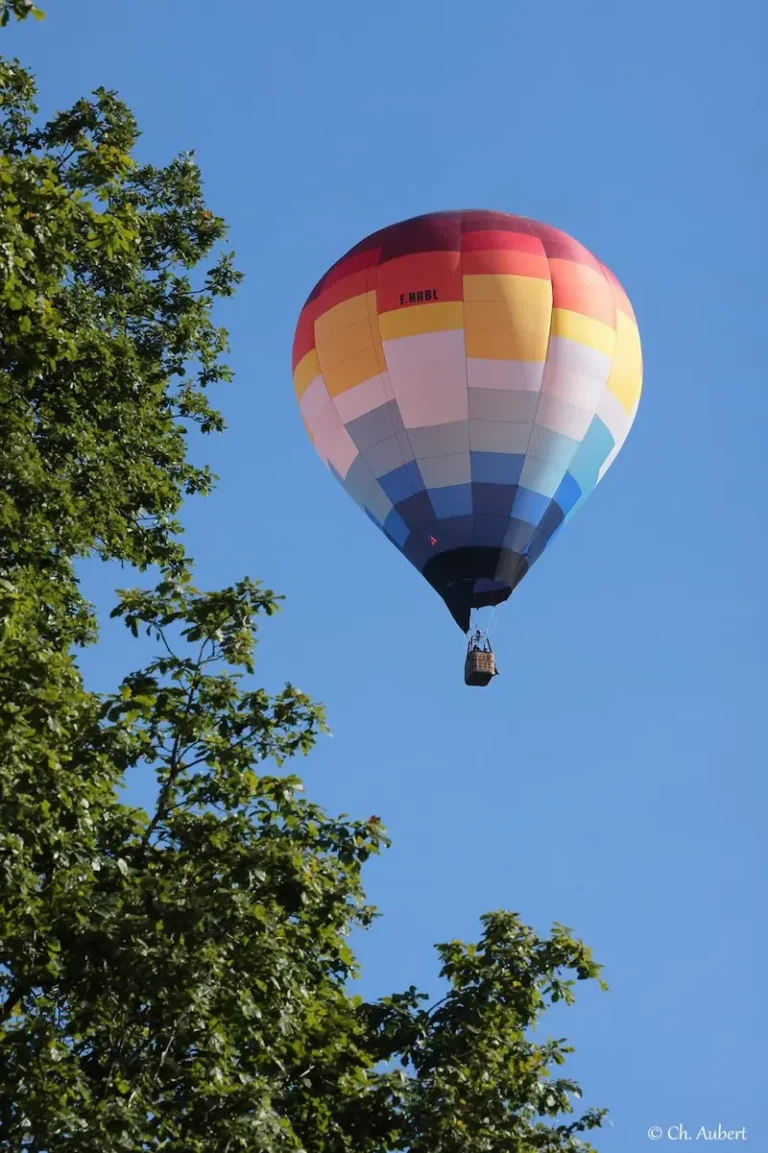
[[21, 9], [179, 978]]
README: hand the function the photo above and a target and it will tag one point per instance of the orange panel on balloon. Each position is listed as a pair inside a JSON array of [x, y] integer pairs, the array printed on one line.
[[579, 288], [342, 290], [506, 261]]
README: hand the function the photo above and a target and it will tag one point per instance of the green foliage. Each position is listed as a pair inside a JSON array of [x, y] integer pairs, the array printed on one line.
[[480, 1083], [108, 346], [163, 976], [21, 9], [180, 979]]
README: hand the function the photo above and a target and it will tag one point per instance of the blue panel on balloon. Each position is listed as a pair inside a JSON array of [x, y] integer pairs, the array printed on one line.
[[454, 500], [402, 482], [530, 506], [550, 523], [453, 532], [492, 499], [490, 531], [567, 494], [496, 467], [396, 528]]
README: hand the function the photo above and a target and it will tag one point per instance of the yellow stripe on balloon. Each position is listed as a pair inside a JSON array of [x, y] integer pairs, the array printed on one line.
[[419, 319], [499, 341], [305, 372], [524, 294], [626, 377], [584, 330], [504, 344], [373, 320], [354, 370], [506, 317], [342, 316], [345, 338], [338, 346]]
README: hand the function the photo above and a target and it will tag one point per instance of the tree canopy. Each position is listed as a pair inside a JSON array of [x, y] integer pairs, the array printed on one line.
[[20, 9], [181, 979]]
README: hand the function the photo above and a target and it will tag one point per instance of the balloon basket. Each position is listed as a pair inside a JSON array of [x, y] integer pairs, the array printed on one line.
[[479, 668]]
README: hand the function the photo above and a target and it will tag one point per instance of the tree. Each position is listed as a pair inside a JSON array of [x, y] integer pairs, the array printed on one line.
[[20, 9], [100, 325], [180, 979]]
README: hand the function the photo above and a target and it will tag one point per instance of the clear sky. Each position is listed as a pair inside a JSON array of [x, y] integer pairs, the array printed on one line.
[[614, 776]]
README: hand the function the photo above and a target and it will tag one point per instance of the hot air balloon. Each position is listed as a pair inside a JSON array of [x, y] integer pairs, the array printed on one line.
[[468, 378]]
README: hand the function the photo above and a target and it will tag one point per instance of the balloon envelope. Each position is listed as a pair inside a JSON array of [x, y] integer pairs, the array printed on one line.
[[468, 377]]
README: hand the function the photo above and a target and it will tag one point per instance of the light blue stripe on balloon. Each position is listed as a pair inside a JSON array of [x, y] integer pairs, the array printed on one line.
[[454, 500], [552, 447], [591, 456], [541, 476]]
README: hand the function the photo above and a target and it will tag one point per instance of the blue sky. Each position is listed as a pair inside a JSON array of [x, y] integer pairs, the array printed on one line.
[[613, 778]]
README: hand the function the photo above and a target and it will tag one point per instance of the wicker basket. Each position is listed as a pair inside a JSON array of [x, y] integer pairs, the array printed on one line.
[[479, 667]]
